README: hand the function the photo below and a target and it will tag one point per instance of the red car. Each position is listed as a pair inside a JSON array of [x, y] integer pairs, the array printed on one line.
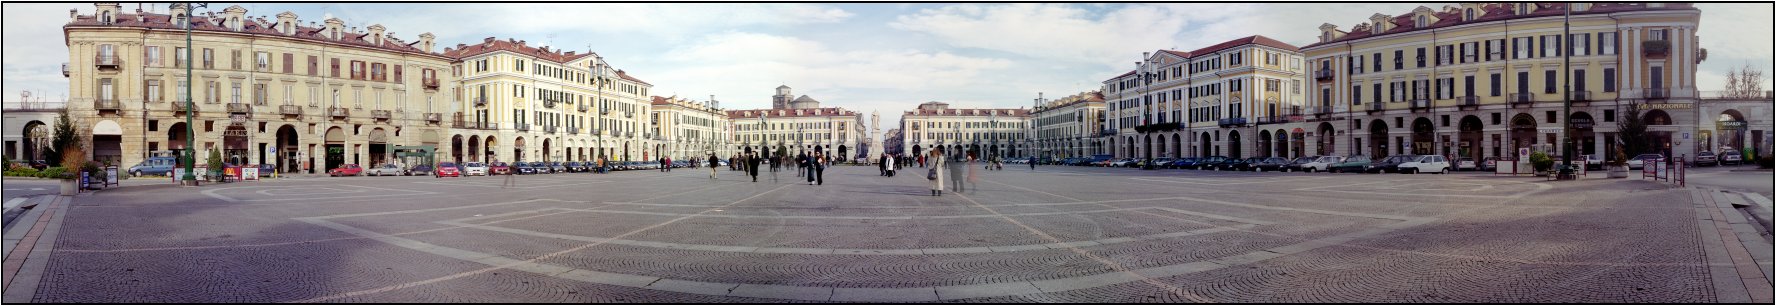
[[498, 168], [346, 170], [447, 169]]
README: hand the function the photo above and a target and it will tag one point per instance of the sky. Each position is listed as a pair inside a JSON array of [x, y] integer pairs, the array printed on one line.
[[867, 57]]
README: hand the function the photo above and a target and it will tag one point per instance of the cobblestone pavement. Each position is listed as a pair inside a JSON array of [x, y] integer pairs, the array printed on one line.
[[1057, 234]]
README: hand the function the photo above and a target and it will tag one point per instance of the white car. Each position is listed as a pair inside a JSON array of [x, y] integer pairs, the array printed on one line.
[[1321, 164], [1639, 161], [1466, 163], [474, 168], [385, 169], [1425, 163]]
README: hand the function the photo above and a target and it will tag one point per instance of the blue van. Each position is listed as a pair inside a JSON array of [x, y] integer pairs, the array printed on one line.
[[159, 165]]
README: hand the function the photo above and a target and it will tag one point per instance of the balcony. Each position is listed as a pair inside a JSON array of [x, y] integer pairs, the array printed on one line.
[[239, 108], [1229, 122], [429, 83], [434, 118], [289, 110], [1375, 107], [1322, 111], [379, 115], [521, 127], [64, 70], [338, 112], [1655, 49], [1655, 93], [1421, 104], [1521, 98], [550, 102], [107, 105], [1581, 96], [549, 129], [628, 114], [1467, 102], [107, 61], [584, 107], [480, 101], [573, 130], [184, 107], [1323, 75]]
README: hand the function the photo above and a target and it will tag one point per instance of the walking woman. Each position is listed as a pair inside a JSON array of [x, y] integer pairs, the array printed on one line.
[[936, 176], [958, 167]]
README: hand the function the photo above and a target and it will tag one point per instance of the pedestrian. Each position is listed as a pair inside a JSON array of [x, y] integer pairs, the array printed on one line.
[[936, 176], [801, 162], [1032, 163], [813, 167], [958, 167], [883, 165], [752, 166], [922, 161], [713, 162], [890, 164], [510, 180]]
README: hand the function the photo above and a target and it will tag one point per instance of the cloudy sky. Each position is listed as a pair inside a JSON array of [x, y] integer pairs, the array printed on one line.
[[869, 57]]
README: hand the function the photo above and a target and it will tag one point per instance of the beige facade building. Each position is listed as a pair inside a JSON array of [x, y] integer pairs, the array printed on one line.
[[304, 96], [1230, 99], [1071, 126], [533, 103], [1485, 79], [684, 129], [798, 124], [982, 132]]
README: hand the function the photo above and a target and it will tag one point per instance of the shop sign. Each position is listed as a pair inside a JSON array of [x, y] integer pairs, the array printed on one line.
[[1581, 123], [1653, 106]]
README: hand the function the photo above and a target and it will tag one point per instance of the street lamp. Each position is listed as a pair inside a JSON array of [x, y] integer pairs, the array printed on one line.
[[190, 178]]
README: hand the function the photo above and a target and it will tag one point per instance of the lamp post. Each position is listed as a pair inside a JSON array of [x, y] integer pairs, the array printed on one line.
[[1146, 112], [597, 71], [1566, 172], [190, 177]]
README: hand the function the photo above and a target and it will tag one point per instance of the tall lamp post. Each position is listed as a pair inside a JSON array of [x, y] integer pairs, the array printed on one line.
[[1566, 171], [190, 177], [1146, 78]]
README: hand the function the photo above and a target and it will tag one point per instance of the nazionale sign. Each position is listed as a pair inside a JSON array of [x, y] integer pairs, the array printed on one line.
[[1652, 106]]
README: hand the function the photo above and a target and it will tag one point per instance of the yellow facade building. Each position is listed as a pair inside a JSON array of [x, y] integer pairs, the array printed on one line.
[[1233, 99]]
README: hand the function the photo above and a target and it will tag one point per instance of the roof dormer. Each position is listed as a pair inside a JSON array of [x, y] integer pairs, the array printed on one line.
[[181, 15], [376, 34], [1423, 17], [1579, 6], [426, 41], [1381, 23], [1524, 8], [234, 18], [286, 23], [107, 12], [334, 29], [1329, 32], [1472, 11]]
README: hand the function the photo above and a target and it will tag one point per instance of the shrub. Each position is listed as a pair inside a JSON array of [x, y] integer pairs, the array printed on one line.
[[1541, 161], [21, 171], [53, 173]]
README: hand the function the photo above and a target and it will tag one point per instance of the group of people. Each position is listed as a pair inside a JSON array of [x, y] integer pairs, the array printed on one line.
[[811, 166], [889, 163], [957, 171]]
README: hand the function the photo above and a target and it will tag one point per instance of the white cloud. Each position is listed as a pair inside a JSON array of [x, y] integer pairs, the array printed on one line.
[[33, 50], [670, 20]]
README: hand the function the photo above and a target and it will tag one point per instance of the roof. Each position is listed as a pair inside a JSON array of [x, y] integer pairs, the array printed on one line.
[[806, 112], [782, 86], [1248, 40], [626, 76], [1125, 74], [804, 98], [491, 44], [1403, 23], [969, 112], [250, 25]]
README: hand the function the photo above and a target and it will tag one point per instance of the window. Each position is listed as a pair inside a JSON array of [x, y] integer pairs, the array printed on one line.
[[234, 59], [234, 93], [1550, 45], [1548, 81], [289, 94], [397, 73], [180, 57], [1522, 82], [259, 94], [1421, 57], [1422, 21], [1399, 60], [289, 63], [314, 96], [1521, 47], [335, 67], [151, 91], [1579, 44], [1609, 79], [1356, 95], [357, 70], [214, 92], [1659, 34], [1551, 116], [152, 54], [1496, 84], [262, 61], [105, 90], [182, 91], [1578, 80], [1609, 115], [1606, 43], [1376, 98], [209, 58]]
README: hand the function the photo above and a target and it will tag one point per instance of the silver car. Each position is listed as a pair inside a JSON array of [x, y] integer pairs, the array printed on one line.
[[385, 169]]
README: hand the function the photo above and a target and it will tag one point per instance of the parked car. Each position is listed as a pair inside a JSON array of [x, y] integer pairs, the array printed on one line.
[[1211, 162], [1321, 163], [557, 167], [1423, 163], [41, 164], [1271, 164], [346, 170], [384, 170], [1354, 163], [1706, 158], [523, 168], [1295, 165], [499, 168], [1244, 164], [1640, 160], [1731, 158], [160, 165], [1593, 161], [1390, 164], [580, 167], [1489, 163], [420, 170], [474, 168], [1180, 163], [447, 169], [1466, 163]]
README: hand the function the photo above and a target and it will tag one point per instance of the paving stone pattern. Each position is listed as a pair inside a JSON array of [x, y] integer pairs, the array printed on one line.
[[1059, 234]]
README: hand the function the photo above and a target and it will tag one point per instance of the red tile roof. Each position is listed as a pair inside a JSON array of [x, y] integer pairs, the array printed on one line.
[[1495, 12], [626, 76], [970, 112], [1125, 74], [806, 112], [492, 44], [1248, 40], [249, 25]]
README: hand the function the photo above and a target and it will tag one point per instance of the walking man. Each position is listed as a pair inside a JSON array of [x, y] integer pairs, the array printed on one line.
[[752, 166], [1032, 163], [713, 162]]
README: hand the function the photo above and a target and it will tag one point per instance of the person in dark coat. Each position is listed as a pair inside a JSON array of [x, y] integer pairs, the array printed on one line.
[[752, 167], [713, 162]]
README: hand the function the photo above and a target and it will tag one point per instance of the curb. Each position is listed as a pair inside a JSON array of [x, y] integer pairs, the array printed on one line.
[[25, 263], [1732, 250]]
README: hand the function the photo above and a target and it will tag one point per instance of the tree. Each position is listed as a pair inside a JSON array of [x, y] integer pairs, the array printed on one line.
[[1632, 130], [64, 140], [1744, 82]]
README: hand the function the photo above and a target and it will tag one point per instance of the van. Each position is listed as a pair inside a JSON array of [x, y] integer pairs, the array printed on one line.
[[159, 165]]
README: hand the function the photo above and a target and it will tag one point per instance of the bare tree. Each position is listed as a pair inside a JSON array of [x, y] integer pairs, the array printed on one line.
[[1744, 82]]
